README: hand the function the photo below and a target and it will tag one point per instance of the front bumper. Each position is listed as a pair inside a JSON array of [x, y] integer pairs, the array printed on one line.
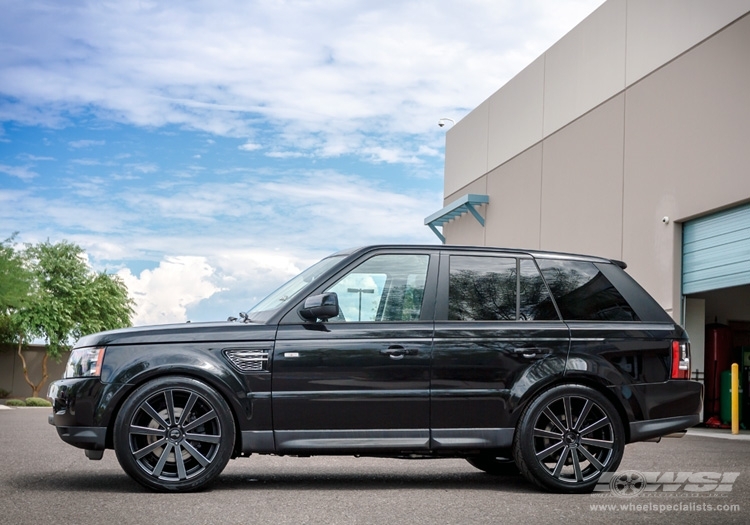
[[90, 438], [74, 412]]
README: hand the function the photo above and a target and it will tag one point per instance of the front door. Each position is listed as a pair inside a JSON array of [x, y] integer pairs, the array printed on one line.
[[360, 380]]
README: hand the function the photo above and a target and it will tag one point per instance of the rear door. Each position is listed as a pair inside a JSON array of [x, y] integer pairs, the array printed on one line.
[[497, 335]]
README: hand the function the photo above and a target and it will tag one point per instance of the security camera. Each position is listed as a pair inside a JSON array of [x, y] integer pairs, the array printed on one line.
[[441, 123], [444, 120], [665, 219]]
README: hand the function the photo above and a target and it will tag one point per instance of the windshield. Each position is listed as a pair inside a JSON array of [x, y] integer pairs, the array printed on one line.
[[268, 306]]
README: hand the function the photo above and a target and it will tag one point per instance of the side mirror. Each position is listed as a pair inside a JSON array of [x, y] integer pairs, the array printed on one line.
[[323, 307]]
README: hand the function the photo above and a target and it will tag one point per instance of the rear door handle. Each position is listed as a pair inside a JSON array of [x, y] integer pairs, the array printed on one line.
[[531, 352], [398, 351]]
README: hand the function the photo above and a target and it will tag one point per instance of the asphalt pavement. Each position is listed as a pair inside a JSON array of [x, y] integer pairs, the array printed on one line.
[[45, 481]]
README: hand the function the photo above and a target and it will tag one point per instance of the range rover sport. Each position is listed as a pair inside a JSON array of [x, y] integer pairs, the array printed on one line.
[[543, 363]]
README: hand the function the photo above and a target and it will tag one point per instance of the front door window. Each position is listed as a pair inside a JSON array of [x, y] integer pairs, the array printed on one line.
[[383, 288]]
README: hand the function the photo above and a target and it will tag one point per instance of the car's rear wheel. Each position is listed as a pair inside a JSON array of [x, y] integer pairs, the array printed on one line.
[[174, 434], [567, 438], [495, 465]]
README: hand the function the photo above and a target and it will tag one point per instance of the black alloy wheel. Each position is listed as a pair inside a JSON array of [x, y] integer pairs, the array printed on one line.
[[174, 434], [567, 438]]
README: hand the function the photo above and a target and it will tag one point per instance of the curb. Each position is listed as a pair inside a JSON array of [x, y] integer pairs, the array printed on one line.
[[719, 433]]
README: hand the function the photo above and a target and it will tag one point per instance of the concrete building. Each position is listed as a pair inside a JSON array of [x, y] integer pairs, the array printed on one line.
[[629, 139]]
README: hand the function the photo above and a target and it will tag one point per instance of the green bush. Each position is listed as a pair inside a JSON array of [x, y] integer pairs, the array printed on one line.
[[37, 402], [4, 393], [15, 403]]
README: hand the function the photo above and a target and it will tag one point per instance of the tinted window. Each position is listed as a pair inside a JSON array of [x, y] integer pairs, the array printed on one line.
[[383, 288], [482, 289], [535, 301], [583, 293], [497, 289]]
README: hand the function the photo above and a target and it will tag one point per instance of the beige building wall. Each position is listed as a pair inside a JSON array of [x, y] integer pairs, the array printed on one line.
[[641, 112]]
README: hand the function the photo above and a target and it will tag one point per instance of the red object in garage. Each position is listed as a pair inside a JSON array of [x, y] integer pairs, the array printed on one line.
[[718, 359]]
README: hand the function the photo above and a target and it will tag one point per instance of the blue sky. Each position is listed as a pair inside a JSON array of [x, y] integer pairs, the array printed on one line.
[[208, 151]]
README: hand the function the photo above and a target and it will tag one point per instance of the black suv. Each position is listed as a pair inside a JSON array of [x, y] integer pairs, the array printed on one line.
[[540, 362]]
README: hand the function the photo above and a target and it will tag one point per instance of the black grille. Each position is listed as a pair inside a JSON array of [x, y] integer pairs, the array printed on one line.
[[246, 360]]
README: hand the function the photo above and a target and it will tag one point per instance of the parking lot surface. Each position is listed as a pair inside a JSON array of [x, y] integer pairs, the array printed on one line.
[[43, 480]]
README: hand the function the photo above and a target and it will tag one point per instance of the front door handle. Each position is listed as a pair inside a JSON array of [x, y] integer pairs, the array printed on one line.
[[398, 351]]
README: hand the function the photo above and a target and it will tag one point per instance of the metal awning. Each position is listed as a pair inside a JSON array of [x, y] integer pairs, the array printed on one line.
[[455, 209]]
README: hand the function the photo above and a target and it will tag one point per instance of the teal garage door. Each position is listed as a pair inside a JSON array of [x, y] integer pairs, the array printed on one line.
[[716, 251]]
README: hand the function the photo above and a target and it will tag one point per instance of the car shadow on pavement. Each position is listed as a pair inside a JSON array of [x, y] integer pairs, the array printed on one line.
[[106, 482], [347, 481], [83, 481]]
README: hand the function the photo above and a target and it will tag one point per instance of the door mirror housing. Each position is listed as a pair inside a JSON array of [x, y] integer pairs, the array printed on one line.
[[323, 307]]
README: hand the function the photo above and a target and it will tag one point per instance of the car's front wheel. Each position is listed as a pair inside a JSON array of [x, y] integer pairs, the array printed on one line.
[[174, 434], [567, 438]]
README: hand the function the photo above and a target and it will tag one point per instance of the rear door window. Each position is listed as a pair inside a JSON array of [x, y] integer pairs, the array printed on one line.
[[486, 288]]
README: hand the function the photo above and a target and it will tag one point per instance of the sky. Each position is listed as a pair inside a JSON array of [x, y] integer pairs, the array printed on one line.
[[206, 152]]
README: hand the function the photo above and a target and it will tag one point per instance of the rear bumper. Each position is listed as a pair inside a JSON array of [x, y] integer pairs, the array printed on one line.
[[643, 430], [668, 407]]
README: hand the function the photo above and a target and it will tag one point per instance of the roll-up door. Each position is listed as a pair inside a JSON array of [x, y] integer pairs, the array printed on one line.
[[716, 251]]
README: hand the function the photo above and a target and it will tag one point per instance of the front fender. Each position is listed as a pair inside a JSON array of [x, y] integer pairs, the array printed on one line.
[[125, 368]]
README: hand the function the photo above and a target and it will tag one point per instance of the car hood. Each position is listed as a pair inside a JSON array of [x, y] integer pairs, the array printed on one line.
[[181, 333]]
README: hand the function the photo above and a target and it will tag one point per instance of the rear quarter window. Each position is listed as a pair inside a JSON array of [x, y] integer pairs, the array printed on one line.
[[583, 293]]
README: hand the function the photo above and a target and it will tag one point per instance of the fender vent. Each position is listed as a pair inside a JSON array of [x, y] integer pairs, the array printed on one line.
[[247, 360]]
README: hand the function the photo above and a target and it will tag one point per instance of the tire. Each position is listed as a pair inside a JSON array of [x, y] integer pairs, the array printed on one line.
[[174, 434], [567, 438], [495, 465]]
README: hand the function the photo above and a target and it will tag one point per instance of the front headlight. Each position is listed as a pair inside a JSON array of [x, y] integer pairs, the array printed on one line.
[[84, 362]]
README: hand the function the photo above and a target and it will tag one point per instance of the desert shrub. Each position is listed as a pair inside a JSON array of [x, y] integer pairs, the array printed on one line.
[[4, 393], [15, 403], [37, 402]]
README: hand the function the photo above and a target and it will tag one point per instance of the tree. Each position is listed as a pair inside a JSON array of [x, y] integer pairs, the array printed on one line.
[[15, 286], [66, 300]]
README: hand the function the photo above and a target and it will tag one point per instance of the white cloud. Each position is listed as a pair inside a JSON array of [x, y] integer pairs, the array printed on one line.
[[144, 167], [162, 295], [285, 154], [24, 173], [85, 143], [34, 158], [250, 146], [323, 74]]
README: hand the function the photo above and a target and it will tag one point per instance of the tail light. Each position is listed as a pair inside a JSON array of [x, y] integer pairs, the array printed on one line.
[[680, 360]]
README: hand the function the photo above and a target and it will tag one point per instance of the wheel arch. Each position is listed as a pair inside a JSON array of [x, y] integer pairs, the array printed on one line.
[[593, 382], [222, 388]]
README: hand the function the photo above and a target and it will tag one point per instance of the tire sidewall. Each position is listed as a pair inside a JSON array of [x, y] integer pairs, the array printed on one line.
[[121, 435]]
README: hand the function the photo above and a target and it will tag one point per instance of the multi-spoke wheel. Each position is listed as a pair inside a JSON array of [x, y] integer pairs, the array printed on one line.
[[567, 438], [174, 434]]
